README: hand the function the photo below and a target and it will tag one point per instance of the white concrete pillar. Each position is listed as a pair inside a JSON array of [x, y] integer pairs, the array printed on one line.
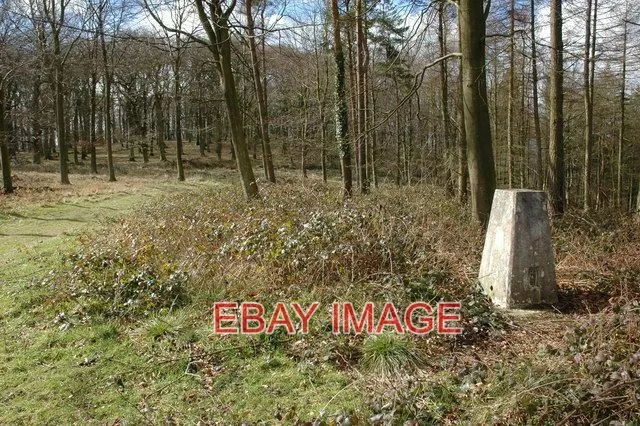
[[518, 266]]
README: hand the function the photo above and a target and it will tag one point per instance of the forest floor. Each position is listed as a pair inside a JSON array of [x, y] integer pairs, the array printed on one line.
[[106, 293]]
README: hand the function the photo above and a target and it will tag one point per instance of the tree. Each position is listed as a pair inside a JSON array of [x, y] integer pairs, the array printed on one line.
[[215, 21], [263, 112], [5, 159], [539, 181], [55, 14], [588, 106], [556, 167], [512, 89], [4, 149], [623, 106], [361, 78], [342, 119], [101, 14], [216, 25], [476, 112], [444, 90]]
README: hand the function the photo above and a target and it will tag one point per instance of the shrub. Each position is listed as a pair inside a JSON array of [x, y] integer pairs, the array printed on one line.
[[389, 355], [109, 283]]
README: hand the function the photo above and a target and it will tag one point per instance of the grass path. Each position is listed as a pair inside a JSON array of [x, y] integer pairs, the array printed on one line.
[[107, 372], [41, 378]]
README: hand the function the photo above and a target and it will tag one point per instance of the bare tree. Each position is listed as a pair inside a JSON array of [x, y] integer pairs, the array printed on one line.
[[476, 112], [342, 120], [556, 171], [263, 112]]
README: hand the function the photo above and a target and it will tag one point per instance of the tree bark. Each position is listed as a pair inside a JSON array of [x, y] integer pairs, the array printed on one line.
[[342, 118], [216, 26], [444, 91], [539, 181], [4, 148], [621, 134], [555, 169], [512, 89], [177, 92], [478, 131], [361, 68], [263, 111], [59, 107], [108, 125], [588, 111]]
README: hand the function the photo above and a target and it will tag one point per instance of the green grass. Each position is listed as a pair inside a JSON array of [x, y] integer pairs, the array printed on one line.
[[66, 358], [103, 371]]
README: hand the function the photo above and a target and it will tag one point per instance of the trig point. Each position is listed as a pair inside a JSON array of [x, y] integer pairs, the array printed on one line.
[[518, 267]]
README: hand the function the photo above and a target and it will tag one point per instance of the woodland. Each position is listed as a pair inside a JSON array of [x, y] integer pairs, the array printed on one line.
[[161, 156]]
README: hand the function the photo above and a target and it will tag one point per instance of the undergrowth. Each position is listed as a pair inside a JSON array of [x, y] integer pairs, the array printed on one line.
[[306, 244]]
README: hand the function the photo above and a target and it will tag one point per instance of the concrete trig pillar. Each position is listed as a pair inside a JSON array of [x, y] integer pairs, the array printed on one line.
[[518, 267]]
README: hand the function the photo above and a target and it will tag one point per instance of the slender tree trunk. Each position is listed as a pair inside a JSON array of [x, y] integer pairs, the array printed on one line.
[[374, 137], [305, 126], [444, 91], [539, 181], [478, 131], [92, 123], [36, 127], [352, 95], [342, 118], [361, 68], [556, 172], [321, 96], [512, 89], [4, 148], [59, 104], [463, 170], [621, 135], [108, 125], [588, 111], [177, 92], [398, 133], [263, 111], [76, 131], [216, 26], [160, 127]]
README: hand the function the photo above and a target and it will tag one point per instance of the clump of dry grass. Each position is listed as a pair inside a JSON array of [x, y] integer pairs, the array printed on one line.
[[598, 258], [297, 239]]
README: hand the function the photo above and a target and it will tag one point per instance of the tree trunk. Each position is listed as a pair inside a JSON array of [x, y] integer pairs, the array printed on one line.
[[398, 137], [588, 111], [108, 125], [160, 127], [59, 107], [217, 28], [361, 73], [303, 133], [444, 91], [555, 169], [478, 130], [76, 130], [463, 170], [177, 92], [263, 111], [4, 148], [36, 128], [321, 96], [539, 181], [92, 123], [512, 89], [342, 119], [621, 134]]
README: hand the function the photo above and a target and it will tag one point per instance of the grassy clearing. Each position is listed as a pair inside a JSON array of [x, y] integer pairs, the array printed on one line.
[[108, 337], [60, 367]]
